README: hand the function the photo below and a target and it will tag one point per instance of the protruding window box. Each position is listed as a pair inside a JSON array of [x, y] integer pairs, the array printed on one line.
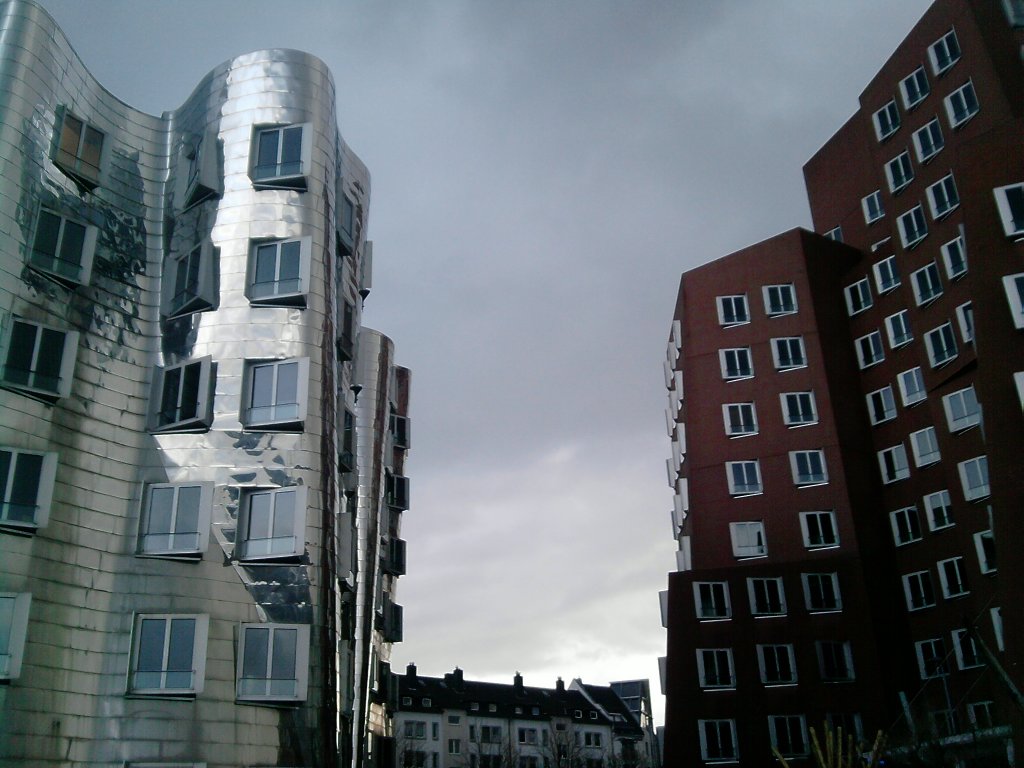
[[282, 157]]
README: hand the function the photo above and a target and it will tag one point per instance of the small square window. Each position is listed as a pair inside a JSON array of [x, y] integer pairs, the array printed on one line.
[[767, 597], [732, 310], [279, 272], [819, 529], [1013, 285], [714, 669], [184, 394], [276, 395], [869, 350], [913, 227], [914, 88], [941, 345], [1010, 202], [893, 463], [38, 360], [789, 353], [943, 197], [789, 735], [821, 592], [985, 546], [881, 405], [962, 409], [779, 300], [14, 608], [168, 655], [917, 588], [808, 467], [911, 384], [835, 661], [79, 149], [798, 408], [974, 478], [953, 577], [939, 510], [272, 523], [748, 539], [944, 52], [925, 445], [740, 419], [872, 207], [63, 248], [736, 363], [858, 297], [282, 157], [954, 255], [175, 520], [273, 662], [897, 327], [906, 528], [928, 141], [717, 741], [899, 172], [712, 599], [190, 285], [961, 105], [931, 658], [777, 664], [887, 121], [26, 488], [744, 477], [887, 274]]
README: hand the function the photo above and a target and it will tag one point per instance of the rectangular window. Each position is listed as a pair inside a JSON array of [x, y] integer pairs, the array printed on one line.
[[897, 327], [821, 592], [184, 393], [748, 539], [744, 477], [279, 272], [272, 523], [26, 488], [962, 409], [808, 467], [967, 655], [527, 735], [906, 528], [203, 179], [981, 714], [767, 597], [1013, 285], [281, 157], [943, 197], [836, 233], [819, 529], [732, 310], [954, 255], [276, 395], [273, 662], [913, 227], [712, 600], [14, 608], [881, 405], [887, 274], [917, 588], [928, 141], [872, 207], [858, 297], [997, 626], [869, 350], [455, 746], [63, 248], [911, 384], [835, 661], [736, 363], [899, 172], [718, 741], [939, 510], [789, 353], [740, 419], [961, 105], [927, 286], [777, 663], [168, 655], [1010, 202], [925, 445], [175, 519], [779, 299], [887, 121], [985, 546], [965, 319], [931, 658], [798, 408], [79, 150], [788, 734], [39, 360], [893, 463], [714, 667], [914, 88], [953, 577], [189, 287], [941, 344], [944, 52]]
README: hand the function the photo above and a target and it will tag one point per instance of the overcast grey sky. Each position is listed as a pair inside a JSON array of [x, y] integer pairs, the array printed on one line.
[[543, 171]]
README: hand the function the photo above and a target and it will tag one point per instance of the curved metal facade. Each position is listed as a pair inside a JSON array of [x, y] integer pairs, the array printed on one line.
[[179, 298]]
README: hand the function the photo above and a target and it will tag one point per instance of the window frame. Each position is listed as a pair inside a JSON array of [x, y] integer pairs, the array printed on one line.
[[943, 197], [199, 290], [734, 488], [700, 605], [82, 269], [815, 459], [202, 179], [915, 88], [79, 169], [933, 503], [942, 64], [931, 658], [65, 368], [872, 207], [964, 468], [928, 141], [819, 540], [955, 268], [924, 443], [887, 275], [740, 535], [926, 283], [739, 352], [42, 494], [965, 321], [716, 753], [907, 396], [726, 303], [881, 405], [846, 651], [968, 657], [711, 679], [858, 297], [780, 290], [921, 598], [798, 398], [886, 120], [1010, 204], [203, 511], [939, 356], [16, 634], [296, 181], [243, 537], [202, 418], [746, 422], [969, 110], [278, 297], [960, 416], [288, 421], [752, 583], [782, 353], [798, 751], [901, 180], [953, 584], [822, 605], [913, 227], [777, 650], [897, 328], [1013, 287], [900, 465], [870, 351], [986, 563], [200, 633], [301, 663], [906, 526]]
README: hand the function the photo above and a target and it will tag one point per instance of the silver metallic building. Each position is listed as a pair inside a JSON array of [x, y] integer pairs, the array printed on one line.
[[201, 450]]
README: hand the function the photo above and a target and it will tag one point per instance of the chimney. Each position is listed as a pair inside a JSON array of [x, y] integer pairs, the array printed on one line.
[[454, 679], [457, 674], [410, 672], [517, 684], [560, 685]]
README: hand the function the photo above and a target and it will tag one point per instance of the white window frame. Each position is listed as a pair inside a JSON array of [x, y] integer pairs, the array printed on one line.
[[718, 753], [168, 682], [826, 647], [271, 547], [779, 588], [172, 418], [906, 527], [836, 233], [813, 526], [280, 177], [886, 120], [858, 297], [974, 478], [740, 419], [775, 299], [789, 721], [748, 539], [15, 497], [813, 582], [897, 328], [931, 658], [962, 408], [926, 283], [887, 274], [872, 207], [966, 650], [938, 510], [746, 488], [869, 350], [718, 605], [914, 88], [262, 689], [803, 416], [959, 106], [941, 345], [738, 352], [281, 291], [912, 396], [766, 665], [943, 197], [925, 445], [986, 564], [944, 53], [70, 159], [13, 632], [174, 543], [189, 284], [929, 141], [913, 227], [1010, 203], [56, 265], [812, 461], [918, 590], [893, 464], [881, 405], [953, 577], [30, 383], [899, 172], [276, 416], [954, 258], [728, 305], [710, 675], [1013, 286], [783, 355]]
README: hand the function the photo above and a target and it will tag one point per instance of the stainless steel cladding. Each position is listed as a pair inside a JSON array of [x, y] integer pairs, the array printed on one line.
[[181, 444]]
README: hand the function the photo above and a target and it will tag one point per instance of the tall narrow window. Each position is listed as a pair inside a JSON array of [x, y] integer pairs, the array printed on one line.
[[928, 141], [943, 197], [941, 345], [276, 395], [914, 88], [887, 274], [273, 662], [79, 150], [953, 577], [869, 350], [39, 360], [190, 285], [913, 227], [974, 478], [899, 172], [897, 327], [272, 523], [14, 609], [944, 52], [887, 121], [985, 547], [1010, 202], [26, 488], [1013, 285], [954, 255], [872, 207]]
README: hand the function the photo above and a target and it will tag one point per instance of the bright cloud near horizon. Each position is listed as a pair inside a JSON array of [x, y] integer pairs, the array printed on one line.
[[542, 171]]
